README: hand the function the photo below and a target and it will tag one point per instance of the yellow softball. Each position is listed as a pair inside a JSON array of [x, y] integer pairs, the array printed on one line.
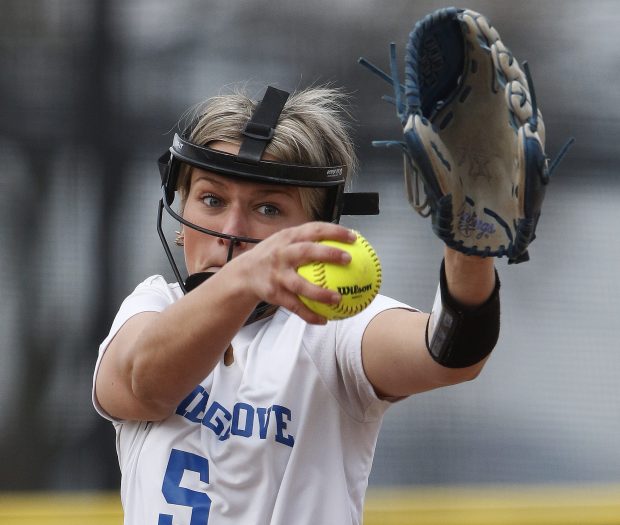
[[358, 282]]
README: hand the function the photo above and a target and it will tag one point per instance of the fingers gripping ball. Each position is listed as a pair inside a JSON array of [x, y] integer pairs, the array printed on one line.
[[357, 282]]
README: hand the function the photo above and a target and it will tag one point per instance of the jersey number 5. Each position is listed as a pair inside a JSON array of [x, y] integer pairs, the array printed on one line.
[[200, 503]]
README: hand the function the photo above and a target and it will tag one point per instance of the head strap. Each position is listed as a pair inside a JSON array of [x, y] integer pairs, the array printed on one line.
[[247, 164], [260, 128]]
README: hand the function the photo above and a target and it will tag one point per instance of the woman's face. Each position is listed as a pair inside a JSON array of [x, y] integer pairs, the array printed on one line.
[[234, 207]]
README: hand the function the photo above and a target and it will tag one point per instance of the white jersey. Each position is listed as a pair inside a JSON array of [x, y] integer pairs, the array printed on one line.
[[283, 435]]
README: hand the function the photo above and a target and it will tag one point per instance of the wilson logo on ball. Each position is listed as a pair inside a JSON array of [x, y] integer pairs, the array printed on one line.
[[354, 290]]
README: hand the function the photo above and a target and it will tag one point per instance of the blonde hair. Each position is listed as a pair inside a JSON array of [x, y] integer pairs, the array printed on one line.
[[312, 130]]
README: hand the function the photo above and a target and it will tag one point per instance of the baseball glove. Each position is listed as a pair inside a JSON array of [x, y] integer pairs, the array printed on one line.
[[473, 135]]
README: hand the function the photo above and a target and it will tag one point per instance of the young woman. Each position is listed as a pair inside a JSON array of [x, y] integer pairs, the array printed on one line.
[[234, 403]]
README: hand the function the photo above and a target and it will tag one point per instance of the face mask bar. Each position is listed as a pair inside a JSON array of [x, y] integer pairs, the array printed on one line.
[[234, 240]]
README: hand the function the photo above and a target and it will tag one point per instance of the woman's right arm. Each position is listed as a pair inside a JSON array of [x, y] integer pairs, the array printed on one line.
[[157, 358]]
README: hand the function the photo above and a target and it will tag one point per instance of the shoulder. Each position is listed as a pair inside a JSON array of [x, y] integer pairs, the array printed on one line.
[[380, 304], [334, 331], [383, 302], [154, 294], [156, 287], [350, 330], [157, 282]]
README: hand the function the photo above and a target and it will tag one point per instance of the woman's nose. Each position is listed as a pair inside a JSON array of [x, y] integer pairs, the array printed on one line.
[[235, 226]]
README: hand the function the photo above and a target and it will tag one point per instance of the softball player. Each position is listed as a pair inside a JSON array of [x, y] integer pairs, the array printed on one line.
[[232, 402]]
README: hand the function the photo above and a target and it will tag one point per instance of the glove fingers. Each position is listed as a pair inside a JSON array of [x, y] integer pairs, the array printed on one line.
[[479, 25], [508, 73], [518, 101], [506, 64]]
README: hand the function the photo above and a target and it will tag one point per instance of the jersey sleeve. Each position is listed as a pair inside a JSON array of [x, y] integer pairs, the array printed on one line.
[[359, 393], [336, 350], [152, 295]]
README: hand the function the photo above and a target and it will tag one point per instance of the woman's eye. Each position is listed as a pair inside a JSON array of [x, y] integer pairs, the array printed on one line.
[[268, 209], [212, 201]]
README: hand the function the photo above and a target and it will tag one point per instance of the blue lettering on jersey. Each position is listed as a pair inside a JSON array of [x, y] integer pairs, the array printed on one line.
[[238, 422], [193, 406], [263, 421], [213, 420], [283, 415], [243, 420]]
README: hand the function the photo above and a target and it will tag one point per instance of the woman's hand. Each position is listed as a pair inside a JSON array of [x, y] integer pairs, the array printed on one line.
[[269, 269]]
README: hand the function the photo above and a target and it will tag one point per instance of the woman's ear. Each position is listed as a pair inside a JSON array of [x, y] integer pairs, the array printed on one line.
[[180, 238]]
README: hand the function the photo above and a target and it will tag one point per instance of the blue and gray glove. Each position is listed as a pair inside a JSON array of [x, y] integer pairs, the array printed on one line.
[[473, 135]]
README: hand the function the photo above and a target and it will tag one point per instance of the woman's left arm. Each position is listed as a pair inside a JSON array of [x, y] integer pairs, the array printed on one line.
[[400, 355]]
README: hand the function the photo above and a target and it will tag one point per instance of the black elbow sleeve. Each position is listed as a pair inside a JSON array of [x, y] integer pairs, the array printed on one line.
[[463, 336]]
